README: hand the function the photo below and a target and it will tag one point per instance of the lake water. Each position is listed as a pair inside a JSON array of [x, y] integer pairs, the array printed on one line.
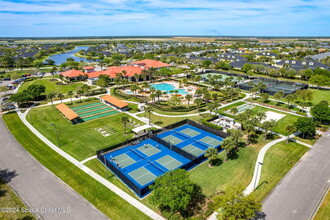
[[61, 58]]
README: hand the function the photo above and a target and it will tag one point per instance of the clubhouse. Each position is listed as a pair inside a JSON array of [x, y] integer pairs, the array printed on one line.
[[132, 71]]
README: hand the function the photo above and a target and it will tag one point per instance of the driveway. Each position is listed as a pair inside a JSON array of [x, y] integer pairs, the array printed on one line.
[[41, 190], [299, 193]]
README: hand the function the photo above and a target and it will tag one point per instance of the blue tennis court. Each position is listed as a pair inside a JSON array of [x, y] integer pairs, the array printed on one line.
[[191, 139], [139, 165], [144, 162]]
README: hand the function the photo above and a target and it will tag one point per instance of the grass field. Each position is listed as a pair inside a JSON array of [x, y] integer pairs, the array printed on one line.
[[235, 105], [319, 95], [51, 86], [279, 159], [164, 121], [8, 199], [324, 211], [287, 119], [81, 140], [97, 194], [236, 172]]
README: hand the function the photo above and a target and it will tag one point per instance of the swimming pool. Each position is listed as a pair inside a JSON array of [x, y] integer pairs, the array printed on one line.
[[167, 88]]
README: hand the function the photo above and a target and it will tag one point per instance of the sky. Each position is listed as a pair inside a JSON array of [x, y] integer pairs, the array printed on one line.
[[59, 18]]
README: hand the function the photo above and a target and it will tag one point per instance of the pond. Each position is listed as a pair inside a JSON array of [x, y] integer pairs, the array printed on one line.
[[61, 58]]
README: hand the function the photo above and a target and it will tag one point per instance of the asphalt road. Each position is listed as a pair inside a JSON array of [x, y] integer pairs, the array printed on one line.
[[41, 190], [299, 193]]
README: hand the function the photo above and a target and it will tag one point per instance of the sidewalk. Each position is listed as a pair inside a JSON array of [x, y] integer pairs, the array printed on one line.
[[97, 177]]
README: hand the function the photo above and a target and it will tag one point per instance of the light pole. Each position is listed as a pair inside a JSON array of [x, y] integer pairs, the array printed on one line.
[[58, 141], [255, 181]]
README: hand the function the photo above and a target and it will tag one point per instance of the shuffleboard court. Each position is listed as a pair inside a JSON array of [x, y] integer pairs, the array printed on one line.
[[123, 160], [210, 141], [193, 150], [142, 176], [94, 111], [148, 150], [190, 132], [169, 162], [86, 106], [172, 139]]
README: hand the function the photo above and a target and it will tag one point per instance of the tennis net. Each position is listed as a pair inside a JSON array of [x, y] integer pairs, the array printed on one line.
[[182, 134], [202, 143], [156, 166], [137, 153]]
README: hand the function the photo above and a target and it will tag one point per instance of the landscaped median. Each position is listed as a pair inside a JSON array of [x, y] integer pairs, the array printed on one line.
[[97, 194]]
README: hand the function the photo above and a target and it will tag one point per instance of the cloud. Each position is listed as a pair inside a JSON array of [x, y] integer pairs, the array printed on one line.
[[159, 17]]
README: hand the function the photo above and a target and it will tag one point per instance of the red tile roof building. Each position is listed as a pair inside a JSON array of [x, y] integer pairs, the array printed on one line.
[[73, 73], [150, 63]]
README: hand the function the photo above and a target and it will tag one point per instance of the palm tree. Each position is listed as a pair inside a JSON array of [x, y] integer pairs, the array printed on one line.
[[158, 93], [60, 96], [70, 93], [234, 111], [212, 154], [149, 109], [51, 96], [228, 145], [198, 102], [79, 93], [125, 121], [189, 98]]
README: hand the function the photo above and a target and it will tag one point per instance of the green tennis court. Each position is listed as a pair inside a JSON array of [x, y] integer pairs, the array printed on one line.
[[142, 176], [210, 141], [172, 139], [169, 162], [193, 150], [190, 132], [94, 111], [123, 160], [148, 150]]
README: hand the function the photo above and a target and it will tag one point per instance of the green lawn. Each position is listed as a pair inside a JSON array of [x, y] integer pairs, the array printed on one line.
[[237, 172], [81, 140], [319, 95], [51, 86], [97, 194], [8, 199], [287, 119], [223, 109], [324, 211], [279, 159], [164, 121]]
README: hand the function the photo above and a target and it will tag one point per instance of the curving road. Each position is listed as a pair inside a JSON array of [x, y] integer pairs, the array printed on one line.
[[38, 187]]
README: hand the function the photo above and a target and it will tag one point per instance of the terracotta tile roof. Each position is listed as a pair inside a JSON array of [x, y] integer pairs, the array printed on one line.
[[88, 67], [67, 112], [151, 63], [114, 101], [113, 70], [73, 73]]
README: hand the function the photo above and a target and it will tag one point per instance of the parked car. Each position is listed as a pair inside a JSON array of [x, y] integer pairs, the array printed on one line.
[[8, 107], [6, 79]]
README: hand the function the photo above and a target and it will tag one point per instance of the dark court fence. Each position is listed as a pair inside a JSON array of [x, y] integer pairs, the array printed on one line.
[[153, 135]]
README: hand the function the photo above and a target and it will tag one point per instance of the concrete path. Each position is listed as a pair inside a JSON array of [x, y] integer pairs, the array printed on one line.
[[299, 193], [257, 169], [149, 212], [38, 187]]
